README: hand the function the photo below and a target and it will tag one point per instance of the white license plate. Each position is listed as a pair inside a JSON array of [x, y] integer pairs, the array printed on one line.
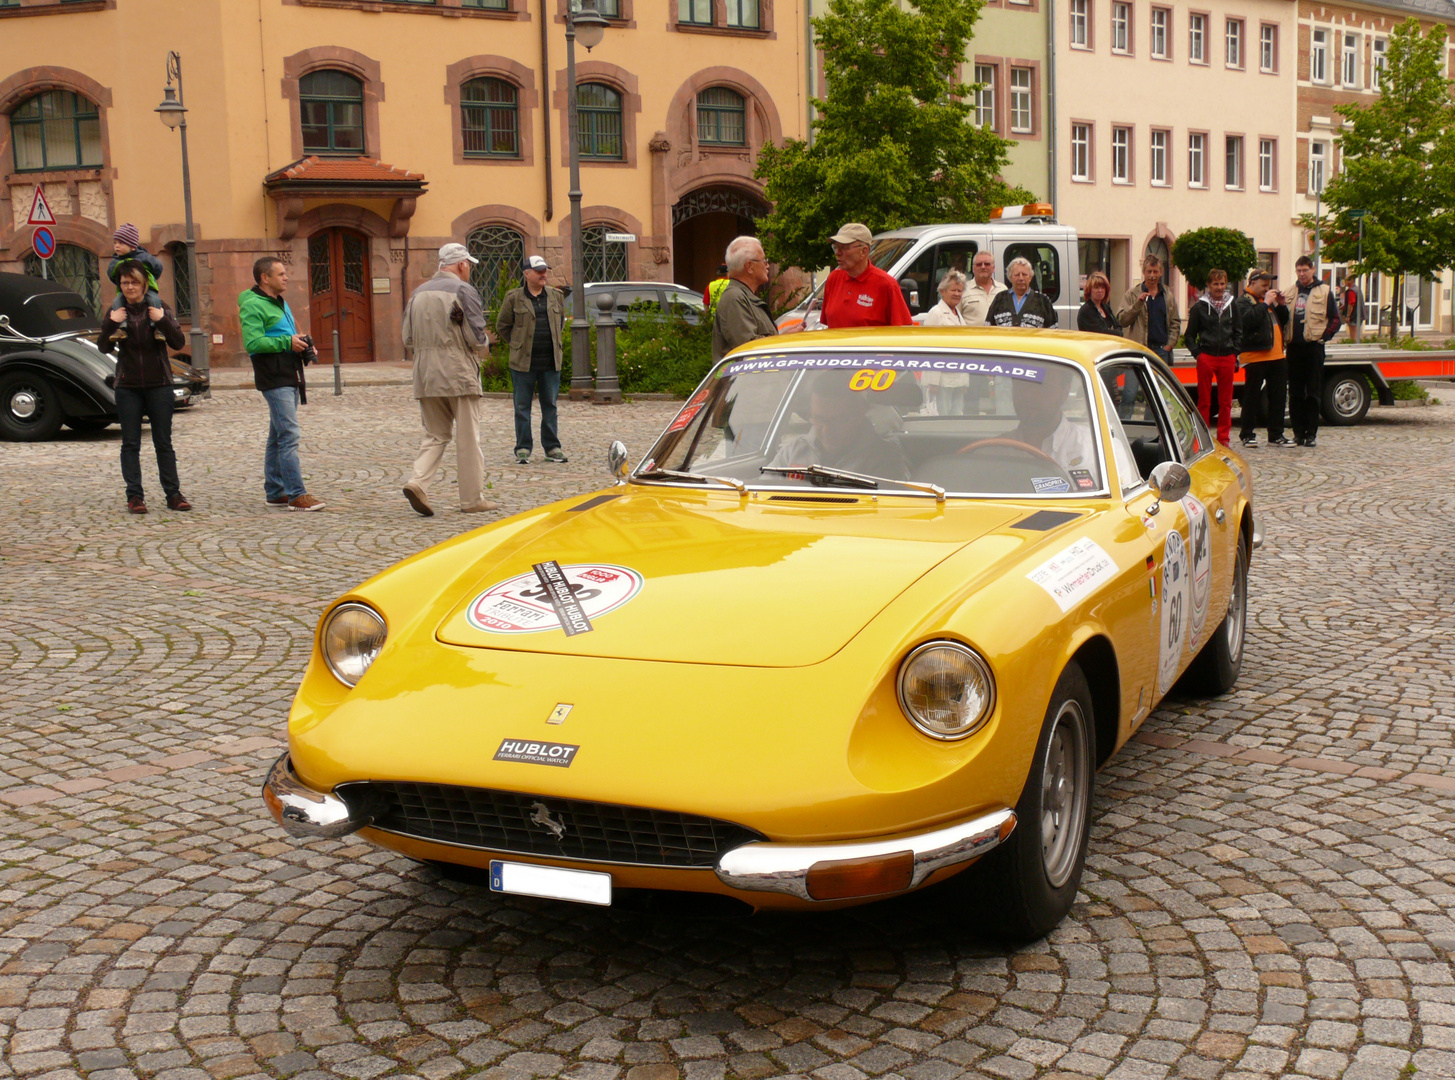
[[550, 882]]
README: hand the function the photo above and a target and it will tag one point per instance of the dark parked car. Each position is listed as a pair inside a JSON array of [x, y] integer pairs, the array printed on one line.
[[51, 372]]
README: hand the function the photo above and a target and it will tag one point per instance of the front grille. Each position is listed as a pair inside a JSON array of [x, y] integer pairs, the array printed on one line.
[[503, 821]]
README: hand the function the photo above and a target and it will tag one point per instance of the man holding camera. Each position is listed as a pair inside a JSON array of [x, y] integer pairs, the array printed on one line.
[[444, 327], [278, 352]]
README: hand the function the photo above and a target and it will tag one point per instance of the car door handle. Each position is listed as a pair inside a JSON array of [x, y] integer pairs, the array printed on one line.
[[1220, 516]]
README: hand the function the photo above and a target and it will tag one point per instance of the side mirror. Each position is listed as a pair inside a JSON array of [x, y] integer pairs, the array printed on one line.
[[1169, 481], [617, 462], [911, 292]]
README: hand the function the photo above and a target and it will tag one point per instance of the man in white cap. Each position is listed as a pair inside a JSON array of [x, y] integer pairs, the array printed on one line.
[[532, 317], [444, 325], [858, 293]]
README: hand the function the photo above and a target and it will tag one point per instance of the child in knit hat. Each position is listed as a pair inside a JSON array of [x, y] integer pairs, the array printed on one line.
[[126, 242]]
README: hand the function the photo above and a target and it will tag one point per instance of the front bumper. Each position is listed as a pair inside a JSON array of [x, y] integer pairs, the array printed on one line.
[[754, 867]]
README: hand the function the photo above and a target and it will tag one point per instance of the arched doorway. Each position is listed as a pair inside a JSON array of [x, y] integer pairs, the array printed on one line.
[[339, 296], [75, 268], [704, 222]]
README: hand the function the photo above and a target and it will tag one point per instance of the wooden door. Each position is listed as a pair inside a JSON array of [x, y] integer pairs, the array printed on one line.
[[339, 299]]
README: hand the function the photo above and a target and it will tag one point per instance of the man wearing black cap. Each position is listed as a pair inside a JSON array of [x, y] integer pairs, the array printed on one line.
[[532, 317]]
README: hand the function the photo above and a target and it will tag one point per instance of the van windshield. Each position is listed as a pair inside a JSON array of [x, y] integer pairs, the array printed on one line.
[[885, 253]]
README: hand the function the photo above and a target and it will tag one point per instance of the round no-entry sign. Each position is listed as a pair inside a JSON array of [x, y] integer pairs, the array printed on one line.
[[43, 242]]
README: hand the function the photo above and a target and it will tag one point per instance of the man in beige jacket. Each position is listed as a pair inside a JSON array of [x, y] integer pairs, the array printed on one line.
[[1149, 311], [444, 325]]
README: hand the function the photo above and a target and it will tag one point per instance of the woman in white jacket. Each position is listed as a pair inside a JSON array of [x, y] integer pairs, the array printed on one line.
[[945, 394]]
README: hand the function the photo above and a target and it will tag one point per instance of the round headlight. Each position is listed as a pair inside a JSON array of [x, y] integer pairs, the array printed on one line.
[[946, 689], [352, 637]]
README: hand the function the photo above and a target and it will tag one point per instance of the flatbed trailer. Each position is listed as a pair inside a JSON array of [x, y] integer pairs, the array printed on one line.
[[1350, 371]]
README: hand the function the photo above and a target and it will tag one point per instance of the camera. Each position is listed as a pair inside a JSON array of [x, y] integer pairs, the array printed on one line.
[[310, 354]]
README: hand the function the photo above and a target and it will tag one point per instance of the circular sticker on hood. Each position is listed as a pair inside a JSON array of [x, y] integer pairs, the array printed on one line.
[[522, 604]]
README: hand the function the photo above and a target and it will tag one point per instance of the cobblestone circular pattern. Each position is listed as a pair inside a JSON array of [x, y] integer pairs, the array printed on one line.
[[1270, 892]]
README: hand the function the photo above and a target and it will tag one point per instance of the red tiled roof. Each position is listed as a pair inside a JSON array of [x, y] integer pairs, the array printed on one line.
[[345, 169]]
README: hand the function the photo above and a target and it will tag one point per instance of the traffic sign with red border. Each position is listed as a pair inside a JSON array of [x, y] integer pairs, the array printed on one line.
[[43, 242], [40, 210]]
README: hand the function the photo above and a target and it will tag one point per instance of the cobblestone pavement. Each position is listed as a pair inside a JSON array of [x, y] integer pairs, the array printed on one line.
[[1269, 893]]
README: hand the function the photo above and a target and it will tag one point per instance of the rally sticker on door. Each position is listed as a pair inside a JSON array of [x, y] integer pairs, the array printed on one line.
[[1201, 571], [1075, 573], [1176, 580], [523, 604]]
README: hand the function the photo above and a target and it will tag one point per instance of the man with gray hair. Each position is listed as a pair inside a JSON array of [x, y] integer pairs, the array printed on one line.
[[1021, 305], [741, 316], [444, 324]]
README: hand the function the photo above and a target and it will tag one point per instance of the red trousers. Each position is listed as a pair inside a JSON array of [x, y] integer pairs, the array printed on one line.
[[1222, 367]]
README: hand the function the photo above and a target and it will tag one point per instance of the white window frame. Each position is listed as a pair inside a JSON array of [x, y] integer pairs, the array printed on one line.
[[1081, 135], [1318, 166], [1196, 159], [1121, 27], [1268, 49], [1159, 38], [1157, 171], [1121, 155], [985, 97], [1018, 95], [1233, 146], [1267, 164], [1196, 38], [1080, 32], [1379, 62], [1318, 55], [1233, 43], [1349, 50]]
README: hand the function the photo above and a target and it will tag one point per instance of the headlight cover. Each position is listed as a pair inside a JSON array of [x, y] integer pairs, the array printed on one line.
[[353, 634], [946, 689]]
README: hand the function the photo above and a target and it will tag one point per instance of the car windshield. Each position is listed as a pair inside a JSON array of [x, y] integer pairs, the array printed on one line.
[[971, 423]]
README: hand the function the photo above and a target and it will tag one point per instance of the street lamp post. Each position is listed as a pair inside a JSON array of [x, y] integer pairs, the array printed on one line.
[[589, 26], [173, 112]]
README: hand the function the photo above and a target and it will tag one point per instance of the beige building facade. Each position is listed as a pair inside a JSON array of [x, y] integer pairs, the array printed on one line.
[[352, 137], [1170, 117], [1009, 61]]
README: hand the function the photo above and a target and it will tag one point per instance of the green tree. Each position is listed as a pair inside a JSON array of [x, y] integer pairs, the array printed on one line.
[[1200, 250], [1399, 167], [894, 143]]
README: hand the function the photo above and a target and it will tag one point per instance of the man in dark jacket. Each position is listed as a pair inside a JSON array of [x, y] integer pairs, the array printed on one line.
[[1315, 321], [532, 318], [1021, 305], [1215, 336], [276, 349], [1264, 319], [740, 315]]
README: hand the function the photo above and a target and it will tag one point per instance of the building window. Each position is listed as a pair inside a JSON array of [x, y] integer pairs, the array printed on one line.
[[985, 96], [75, 268], [1020, 100], [696, 12], [1157, 163], [1081, 152], [1161, 25], [1268, 48], [500, 251], [1376, 75], [598, 116], [1267, 155], [1196, 150], [56, 130], [602, 261], [1233, 155], [1121, 28], [1235, 43], [490, 118], [331, 105], [1121, 155], [1317, 167], [181, 281], [721, 117], [1349, 62], [610, 9], [498, 5], [1197, 39], [1081, 24], [743, 14], [1318, 57]]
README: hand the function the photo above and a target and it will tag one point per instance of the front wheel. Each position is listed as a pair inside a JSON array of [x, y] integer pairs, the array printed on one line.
[[1346, 398], [30, 411], [1027, 885]]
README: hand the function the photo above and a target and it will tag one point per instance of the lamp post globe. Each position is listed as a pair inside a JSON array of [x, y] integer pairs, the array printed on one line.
[[171, 110]]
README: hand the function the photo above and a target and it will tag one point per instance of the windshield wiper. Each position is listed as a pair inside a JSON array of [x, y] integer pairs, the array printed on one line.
[[819, 476], [674, 474]]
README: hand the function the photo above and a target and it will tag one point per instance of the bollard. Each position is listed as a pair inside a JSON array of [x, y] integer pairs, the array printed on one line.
[[608, 389], [338, 371]]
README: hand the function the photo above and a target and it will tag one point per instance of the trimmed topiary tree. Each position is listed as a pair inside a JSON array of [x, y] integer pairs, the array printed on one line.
[[1201, 250]]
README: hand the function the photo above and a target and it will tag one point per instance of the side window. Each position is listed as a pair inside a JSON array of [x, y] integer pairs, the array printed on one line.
[[952, 255], [1187, 427], [1124, 394], [1045, 267], [625, 298], [920, 272]]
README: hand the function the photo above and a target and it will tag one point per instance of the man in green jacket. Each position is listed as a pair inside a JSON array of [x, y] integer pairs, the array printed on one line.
[[276, 349], [531, 318]]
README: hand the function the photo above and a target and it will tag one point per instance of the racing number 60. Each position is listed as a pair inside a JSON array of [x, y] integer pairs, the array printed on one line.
[[869, 379]]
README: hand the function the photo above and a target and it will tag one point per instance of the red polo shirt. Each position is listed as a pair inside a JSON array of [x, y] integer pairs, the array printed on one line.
[[871, 299]]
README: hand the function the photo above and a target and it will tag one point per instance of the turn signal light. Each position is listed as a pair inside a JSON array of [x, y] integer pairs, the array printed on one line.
[[871, 876]]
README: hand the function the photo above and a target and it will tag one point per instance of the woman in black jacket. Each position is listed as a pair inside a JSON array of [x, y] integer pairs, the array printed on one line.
[[1214, 335], [139, 335], [1096, 315]]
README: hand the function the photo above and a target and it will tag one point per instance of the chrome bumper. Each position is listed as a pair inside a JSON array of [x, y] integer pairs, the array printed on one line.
[[783, 868], [304, 812]]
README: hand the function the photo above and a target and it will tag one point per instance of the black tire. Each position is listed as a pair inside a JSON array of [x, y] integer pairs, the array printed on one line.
[[1215, 668], [1346, 398], [1025, 887], [30, 410]]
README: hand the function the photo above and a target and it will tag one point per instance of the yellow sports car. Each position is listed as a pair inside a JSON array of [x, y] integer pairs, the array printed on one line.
[[871, 611]]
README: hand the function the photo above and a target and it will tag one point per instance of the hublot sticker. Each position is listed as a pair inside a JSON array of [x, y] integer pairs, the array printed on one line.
[[533, 752]]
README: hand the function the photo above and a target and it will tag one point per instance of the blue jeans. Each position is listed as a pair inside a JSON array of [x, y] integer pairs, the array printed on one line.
[[156, 403], [529, 384], [282, 475]]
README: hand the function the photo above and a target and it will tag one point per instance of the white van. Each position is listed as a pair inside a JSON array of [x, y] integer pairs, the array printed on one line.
[[919, 256]]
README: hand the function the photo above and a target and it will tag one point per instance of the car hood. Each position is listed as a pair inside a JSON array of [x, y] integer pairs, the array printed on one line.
[[708, 579]]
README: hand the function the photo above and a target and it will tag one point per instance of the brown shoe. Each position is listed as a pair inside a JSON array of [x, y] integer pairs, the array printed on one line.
[[178, 503], [280, 503], [415, 494], [136, 505], [305, 502], [480, 507]]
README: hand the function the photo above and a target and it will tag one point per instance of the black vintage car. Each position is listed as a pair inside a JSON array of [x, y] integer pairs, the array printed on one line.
[[51, 372]]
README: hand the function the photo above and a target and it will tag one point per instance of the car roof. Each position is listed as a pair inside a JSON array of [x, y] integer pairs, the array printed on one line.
[[1003, 229], [640, 285], [1072, 345], [33, 305]]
